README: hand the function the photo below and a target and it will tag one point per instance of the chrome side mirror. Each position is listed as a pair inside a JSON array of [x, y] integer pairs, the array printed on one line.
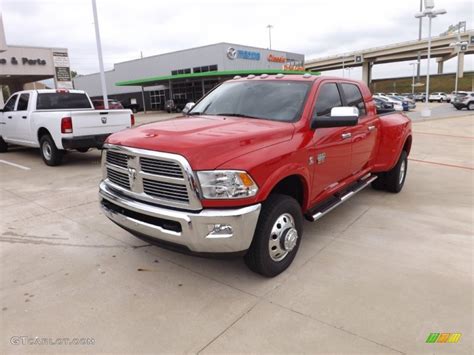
[[340, 117], [188, 107]]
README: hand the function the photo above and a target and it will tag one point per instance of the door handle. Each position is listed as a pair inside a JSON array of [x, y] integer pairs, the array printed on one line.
[[24, 117], [346, 135], [371, 128], [10, 117]]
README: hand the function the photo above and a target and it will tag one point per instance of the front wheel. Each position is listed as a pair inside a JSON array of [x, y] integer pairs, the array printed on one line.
[[277, 236], [51, 155], [470, 106]]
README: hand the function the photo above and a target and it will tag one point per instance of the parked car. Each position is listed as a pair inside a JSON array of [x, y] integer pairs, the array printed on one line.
[[383, 106], [408, 95], [113, 104], [403, 102], [464, 100], [57, 120], [421, 96], [438, 96], [392, 94], [236, 174], [397, 105], [453, 95], [406, 102]]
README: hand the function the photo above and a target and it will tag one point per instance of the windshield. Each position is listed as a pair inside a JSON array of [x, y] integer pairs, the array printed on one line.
[[271, 100]]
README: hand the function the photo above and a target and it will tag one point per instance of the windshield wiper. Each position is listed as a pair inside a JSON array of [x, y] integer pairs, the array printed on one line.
[[236, 115]]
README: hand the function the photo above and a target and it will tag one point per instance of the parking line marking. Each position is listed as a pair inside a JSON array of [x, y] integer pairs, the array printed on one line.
[[443, 135], [15, 165], [442, 164]]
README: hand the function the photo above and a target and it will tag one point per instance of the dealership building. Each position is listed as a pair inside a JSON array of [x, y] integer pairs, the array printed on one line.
[[20, 65], [185, 75]]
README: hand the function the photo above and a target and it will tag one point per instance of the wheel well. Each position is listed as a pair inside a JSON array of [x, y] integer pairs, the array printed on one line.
[[407, 145], [41, 132], [291, 186]]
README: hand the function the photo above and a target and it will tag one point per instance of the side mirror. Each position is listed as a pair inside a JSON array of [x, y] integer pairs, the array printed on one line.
[[188, 107], [340, 117]]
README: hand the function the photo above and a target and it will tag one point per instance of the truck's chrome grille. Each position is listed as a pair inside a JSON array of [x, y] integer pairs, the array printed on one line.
[[118, 178], [165, 190], [117, 159], [161, 167], [155, 177]]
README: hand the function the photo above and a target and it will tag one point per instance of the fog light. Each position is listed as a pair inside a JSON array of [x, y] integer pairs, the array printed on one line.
[[219, 231]]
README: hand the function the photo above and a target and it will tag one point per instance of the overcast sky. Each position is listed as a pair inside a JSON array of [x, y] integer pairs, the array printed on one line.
[[312, 27]]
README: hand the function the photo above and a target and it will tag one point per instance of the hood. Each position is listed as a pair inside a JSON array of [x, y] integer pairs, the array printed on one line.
[[206, 141]]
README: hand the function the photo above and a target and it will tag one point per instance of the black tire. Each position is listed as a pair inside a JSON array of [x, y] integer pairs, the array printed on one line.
[[394, 179], [51, 155], [277, 207], [3, 146], [82, 150]]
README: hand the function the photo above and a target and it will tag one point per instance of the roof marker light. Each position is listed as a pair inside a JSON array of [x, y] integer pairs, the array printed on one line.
[[251, 76], [237, 77], [263, 76], [280, 75], [307, 75]]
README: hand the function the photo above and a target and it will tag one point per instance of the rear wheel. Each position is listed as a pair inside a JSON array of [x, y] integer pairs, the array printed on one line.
[[394, 179], [277, 236], [470, 106], [51, 155], [3, 146]]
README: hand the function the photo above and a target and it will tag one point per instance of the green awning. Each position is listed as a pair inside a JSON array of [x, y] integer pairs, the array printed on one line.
[[158, 79]]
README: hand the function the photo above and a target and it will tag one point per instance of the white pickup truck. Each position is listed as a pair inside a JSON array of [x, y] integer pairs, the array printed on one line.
[[58, 120]]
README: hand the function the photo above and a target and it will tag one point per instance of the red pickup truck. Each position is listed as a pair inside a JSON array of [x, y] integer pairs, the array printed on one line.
[[245, 165]]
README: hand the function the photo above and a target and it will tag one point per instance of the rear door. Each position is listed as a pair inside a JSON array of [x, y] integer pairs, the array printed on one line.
[[364, 135], [22, 131], [331, 152], [8, 124]]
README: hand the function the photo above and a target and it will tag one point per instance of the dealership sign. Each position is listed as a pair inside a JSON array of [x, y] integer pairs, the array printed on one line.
[[23, 61], [233, 53], [62, 71], [276, 59]]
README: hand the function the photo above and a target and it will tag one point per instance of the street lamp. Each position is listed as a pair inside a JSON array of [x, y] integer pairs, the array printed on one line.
[[414, 65], [99, 53], [458, 46], [342, 56], [270, 35], [431, 13]]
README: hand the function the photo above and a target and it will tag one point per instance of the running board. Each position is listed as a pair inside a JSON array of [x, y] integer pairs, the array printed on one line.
[[339, 198]]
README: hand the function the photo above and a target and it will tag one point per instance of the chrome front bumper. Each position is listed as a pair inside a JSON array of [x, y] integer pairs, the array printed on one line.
[[195, 226]]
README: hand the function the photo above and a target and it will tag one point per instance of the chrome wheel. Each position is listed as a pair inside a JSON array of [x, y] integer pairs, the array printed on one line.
[[283, 237], [403, 168], [47, 151]]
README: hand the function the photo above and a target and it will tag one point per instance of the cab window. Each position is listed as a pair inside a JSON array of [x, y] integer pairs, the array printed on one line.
[[354, 97], [23, 102], [328, 98], [10, 105]]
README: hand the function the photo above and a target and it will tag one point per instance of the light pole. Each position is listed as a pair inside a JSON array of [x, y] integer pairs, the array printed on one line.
[[457, 45], [342, 56], [99, 53], [431, 13], [420, 23], [270, 35], [414, 65]]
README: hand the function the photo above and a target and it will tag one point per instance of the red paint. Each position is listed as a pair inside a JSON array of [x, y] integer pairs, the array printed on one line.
[[271, 151]]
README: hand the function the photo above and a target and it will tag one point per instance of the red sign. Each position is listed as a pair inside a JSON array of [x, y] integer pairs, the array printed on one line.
[[277, 59]]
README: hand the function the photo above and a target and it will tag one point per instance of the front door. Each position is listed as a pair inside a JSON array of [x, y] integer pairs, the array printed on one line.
[[22, 131], [331, 147], [8, 123]]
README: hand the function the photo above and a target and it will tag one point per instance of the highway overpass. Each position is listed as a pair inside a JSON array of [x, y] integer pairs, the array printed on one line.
[[397, 52]]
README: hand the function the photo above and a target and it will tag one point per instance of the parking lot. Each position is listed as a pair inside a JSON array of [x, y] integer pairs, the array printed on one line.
[[376, 275]]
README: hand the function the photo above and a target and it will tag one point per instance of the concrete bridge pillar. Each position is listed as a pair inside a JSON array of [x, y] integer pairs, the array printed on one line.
[[367, 72], [440, 66]]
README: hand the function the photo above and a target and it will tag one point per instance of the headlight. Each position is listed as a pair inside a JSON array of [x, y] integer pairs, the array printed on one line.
[[224, 184]]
